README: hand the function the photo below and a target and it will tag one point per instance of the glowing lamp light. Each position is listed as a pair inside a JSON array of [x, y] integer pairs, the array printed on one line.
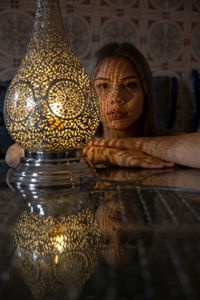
[[56, 256], [50, 106]]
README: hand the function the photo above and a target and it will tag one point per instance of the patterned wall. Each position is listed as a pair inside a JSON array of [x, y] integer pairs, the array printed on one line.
[[166, 31]]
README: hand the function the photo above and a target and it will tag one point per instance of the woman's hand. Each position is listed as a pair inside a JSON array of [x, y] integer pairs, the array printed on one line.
[[122, 158], [13, 155]]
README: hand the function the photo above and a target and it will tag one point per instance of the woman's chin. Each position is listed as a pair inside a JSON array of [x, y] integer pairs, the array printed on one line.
[[119, 125]]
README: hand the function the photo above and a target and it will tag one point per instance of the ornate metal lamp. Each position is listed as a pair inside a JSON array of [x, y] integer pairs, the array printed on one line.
[[51, 109]]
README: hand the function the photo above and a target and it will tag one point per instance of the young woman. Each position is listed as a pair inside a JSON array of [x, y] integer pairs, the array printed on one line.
[[123, 82], [126, 136]]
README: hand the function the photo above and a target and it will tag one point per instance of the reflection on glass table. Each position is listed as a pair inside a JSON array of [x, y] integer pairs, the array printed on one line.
[[120, 237], [55, 255], [179, 177], [122, 224]]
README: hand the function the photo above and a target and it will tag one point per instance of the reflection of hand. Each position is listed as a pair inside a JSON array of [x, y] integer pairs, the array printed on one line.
[[136, 176], [122, 158], [186, 178], [179, 178]]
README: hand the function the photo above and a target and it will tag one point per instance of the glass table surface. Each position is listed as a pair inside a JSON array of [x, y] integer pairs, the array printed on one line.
[[128, 234]]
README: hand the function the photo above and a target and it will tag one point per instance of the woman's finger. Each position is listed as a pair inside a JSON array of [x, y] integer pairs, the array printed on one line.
[[113, 143]]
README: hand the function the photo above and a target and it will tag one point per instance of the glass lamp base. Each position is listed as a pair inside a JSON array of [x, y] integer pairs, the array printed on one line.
[[50, 170]]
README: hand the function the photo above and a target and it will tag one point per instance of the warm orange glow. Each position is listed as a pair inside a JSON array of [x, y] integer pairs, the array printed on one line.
[[50, 104]]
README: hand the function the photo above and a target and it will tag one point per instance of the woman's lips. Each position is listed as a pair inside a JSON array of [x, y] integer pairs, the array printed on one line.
[[116, 115]]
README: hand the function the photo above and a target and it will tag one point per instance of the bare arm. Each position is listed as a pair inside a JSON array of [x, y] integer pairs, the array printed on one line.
[[122, 158], [182, 149]]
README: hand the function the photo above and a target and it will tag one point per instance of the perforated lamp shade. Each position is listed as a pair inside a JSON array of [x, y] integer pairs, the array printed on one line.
[[56, 256], [50, 104]]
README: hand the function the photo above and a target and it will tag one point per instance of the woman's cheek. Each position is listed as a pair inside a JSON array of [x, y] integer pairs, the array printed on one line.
[[103, 108], [135, 107], [103, 117]]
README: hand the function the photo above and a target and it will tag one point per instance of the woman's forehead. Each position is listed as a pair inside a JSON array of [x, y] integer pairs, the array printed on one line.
[[116, 67]]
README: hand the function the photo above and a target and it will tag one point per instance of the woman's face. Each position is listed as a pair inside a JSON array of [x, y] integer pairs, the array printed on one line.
[[121, 225], [120, 93]]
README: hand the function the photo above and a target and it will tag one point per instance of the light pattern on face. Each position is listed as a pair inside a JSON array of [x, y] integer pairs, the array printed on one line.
[[120, 93]]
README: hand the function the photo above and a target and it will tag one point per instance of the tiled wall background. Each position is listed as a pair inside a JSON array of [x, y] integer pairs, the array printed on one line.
[[166, 31]]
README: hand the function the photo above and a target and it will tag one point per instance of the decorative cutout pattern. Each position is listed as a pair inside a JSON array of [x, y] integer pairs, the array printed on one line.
[[167, 4], [196, 42], [165, 40], [119, 30], [75, 1], [16, 27], [50, 104], [88, 23], [56, 255], [121, 2], [197, 4], [78, 34]]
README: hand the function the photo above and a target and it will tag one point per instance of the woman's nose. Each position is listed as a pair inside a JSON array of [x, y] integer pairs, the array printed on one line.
[[116, 96]]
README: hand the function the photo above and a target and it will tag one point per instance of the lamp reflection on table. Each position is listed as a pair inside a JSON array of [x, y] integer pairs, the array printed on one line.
[[55, 244]]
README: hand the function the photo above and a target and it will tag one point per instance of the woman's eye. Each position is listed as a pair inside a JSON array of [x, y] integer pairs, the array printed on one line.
[[103, 86], [130, 85], [106, 243]]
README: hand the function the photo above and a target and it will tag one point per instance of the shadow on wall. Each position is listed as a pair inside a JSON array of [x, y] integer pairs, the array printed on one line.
[[177, 104], [195, 80], [166, 91]]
